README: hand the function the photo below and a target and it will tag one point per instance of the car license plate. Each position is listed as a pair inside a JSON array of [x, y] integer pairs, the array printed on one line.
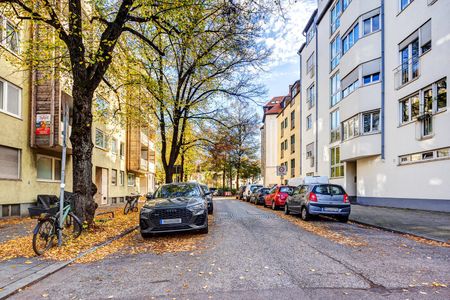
[[170, 221], [331, 209]]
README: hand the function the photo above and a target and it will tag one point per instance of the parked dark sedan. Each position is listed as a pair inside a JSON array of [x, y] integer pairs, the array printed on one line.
[[258, 196], [174, 207]]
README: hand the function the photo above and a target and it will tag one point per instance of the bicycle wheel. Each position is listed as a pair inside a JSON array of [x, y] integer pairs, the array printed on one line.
[[135, 206], [43, 236], [126, 208], [72, 227]]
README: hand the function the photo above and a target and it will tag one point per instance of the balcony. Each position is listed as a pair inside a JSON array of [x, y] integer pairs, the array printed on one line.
[[407, 72], [360, 147], [364, 98]]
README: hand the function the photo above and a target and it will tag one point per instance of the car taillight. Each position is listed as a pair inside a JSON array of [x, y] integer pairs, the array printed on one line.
[[312, 197], [278, 197], [345, 198]]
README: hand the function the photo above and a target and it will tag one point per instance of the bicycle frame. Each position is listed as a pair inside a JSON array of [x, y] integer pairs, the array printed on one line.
[[66, 211]]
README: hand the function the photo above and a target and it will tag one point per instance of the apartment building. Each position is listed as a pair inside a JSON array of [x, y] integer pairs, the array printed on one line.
[[32, 105], [289, 134], [269, 138], [378, 72]]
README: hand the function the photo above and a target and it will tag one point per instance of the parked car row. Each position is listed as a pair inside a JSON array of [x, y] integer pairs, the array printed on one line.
[[312, 198]]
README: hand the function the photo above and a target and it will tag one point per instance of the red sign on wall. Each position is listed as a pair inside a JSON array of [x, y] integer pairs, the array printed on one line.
[[43, 124]]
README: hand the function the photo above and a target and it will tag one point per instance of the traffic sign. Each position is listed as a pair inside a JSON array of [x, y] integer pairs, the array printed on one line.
[[281, 170]]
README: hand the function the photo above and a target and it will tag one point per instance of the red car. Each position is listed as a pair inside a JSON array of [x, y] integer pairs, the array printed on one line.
[[277, 196]]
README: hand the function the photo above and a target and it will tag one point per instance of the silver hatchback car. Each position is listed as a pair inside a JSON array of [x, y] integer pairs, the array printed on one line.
[[319, 199]]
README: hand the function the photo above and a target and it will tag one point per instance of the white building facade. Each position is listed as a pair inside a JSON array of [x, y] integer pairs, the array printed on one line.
[[375, 116]]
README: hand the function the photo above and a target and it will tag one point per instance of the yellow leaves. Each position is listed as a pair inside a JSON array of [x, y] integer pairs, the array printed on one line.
[[437, 284], [427, 242], [28, 262]]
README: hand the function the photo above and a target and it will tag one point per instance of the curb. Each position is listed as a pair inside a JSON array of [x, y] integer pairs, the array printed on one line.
[[22, 283], [399, 231]]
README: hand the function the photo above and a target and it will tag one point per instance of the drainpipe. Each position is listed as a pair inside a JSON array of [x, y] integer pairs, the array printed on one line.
[[317, 97], [300, 114], [383, 87]]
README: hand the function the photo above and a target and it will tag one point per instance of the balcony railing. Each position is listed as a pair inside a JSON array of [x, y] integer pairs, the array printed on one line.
[[406, 72]]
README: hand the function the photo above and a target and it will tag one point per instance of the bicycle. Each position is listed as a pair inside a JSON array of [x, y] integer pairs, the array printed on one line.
[[132, 203], [48, 227]]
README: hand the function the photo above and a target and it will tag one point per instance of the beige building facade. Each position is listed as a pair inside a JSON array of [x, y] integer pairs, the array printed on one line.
[[288, 123], [31, 110], [379, 122]]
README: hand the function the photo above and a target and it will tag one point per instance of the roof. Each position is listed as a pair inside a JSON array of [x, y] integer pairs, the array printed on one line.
[[310, 21], [274, 101]]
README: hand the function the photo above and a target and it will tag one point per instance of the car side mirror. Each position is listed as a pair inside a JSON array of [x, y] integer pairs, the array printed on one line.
[[150, 196], [208, 193]]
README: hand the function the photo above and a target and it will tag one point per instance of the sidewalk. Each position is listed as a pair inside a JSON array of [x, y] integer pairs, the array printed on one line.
[[427, 224]]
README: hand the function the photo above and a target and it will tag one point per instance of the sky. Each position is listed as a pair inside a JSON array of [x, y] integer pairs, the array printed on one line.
[[285, 37]]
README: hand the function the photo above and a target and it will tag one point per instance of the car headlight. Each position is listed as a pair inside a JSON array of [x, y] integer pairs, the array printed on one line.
[[197, 209], [146, 210]]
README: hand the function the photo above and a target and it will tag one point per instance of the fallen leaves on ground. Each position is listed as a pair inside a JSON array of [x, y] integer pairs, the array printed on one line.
[[14, 221], [426, 241], [322, 230], [99, 233]]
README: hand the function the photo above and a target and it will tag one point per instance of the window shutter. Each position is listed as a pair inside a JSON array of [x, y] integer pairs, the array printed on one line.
[[370, 14], [350, 78], [408, 40], [9, 163], [425, 33], [371, 67]]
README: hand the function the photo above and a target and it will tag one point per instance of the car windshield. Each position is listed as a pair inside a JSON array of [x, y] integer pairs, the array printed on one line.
[[327, 189], [177, 190], [264, 190], [286, 189], [254, 188]]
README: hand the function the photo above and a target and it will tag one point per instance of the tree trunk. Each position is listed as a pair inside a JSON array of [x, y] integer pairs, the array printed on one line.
[[182, 167], [237, 179], [223, 178], [231, 179], [169, 173], [81, 139]]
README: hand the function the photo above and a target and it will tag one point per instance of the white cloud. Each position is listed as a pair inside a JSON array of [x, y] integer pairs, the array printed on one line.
[[284, 36]]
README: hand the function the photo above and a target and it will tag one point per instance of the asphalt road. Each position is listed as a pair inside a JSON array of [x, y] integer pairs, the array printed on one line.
[[251, 253]]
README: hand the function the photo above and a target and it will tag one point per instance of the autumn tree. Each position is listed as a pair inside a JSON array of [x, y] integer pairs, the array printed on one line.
[[207, 56], [89, 32]]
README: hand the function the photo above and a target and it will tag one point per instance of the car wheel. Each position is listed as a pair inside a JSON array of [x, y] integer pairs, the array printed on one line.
[[305, 214], [343, 219], [274, 206], [286, 209]]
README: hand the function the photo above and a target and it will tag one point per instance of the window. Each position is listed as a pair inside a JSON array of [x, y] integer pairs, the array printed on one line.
[[282, 128], [337, 168], [12, 210], [368, 79], [9, 163], [335, 89], [335, 128], [335, 15], [410, 108], [310, 96], [428, 155], [310, 65], [308, 122], [100, 139], [371, 24], [310, 150], [371, 122], [9, 37], [114, 146], [351, 128], [404, 4], [441, 94], [131, 179], [350, 39], [429, 100], [345, 4], [293, 119], [48, 168], [282, 150], [410, 61], [10, 98], [427, 127], [114, 177], [122, 178], [335, 52], [122, 150], [350, 89], [292, 167], [293, 143], [310, 33]]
